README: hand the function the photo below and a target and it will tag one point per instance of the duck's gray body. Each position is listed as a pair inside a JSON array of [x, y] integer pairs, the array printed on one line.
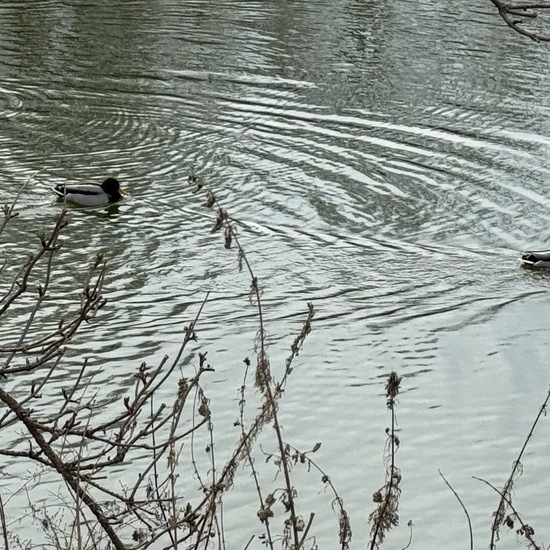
[[90, 194], [536, 259]]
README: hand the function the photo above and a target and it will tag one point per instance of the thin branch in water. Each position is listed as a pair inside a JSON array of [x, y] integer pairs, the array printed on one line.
[[463, 507]]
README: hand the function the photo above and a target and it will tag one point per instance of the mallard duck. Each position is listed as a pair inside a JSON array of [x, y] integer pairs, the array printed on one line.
[[536, 259], [90, 194]]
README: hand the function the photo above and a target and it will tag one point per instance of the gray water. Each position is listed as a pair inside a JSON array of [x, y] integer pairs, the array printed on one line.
[[388, 162]]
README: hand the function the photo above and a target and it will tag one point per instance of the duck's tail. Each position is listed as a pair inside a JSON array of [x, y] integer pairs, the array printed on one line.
[[59, 190]]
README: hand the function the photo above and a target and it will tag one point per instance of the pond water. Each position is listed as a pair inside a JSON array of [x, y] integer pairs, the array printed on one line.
[[388, 162]]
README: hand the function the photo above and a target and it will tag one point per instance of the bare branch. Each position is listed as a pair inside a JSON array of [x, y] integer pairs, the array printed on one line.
[[509, 10], [506, 494], [463, 507], [9, 209]]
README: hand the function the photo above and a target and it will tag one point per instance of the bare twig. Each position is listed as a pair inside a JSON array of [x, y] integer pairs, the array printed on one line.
[[506, 494], [19, 285], [4, 526], [9, 209], [299, 457], [525, 529], [509, 12], [463, 507], [410, 525], [264, 512], [68, 475]]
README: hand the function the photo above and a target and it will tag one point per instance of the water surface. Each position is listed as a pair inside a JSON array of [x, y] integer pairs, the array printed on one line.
[[388, 162]]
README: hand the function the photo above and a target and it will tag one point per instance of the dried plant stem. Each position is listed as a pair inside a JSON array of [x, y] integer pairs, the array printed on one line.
[[272, 391], [156, 476], [306, 530], [344, 523], [463, 507], [271, 398], [377, 538], [385, 516], [506, 494], [263, 367], [264, 513], [526, 529], [4, 526], [410, 525]]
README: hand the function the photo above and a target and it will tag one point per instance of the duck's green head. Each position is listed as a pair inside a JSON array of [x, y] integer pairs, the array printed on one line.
[[111, 186]]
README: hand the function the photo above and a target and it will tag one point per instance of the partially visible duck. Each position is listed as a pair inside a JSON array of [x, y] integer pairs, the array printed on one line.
[[536, 259], [90, 194]]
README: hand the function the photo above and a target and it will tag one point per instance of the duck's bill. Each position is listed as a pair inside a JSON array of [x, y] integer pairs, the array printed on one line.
[[122, 192]]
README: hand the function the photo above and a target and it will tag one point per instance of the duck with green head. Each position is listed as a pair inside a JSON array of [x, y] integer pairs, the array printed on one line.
[[90, 194]]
